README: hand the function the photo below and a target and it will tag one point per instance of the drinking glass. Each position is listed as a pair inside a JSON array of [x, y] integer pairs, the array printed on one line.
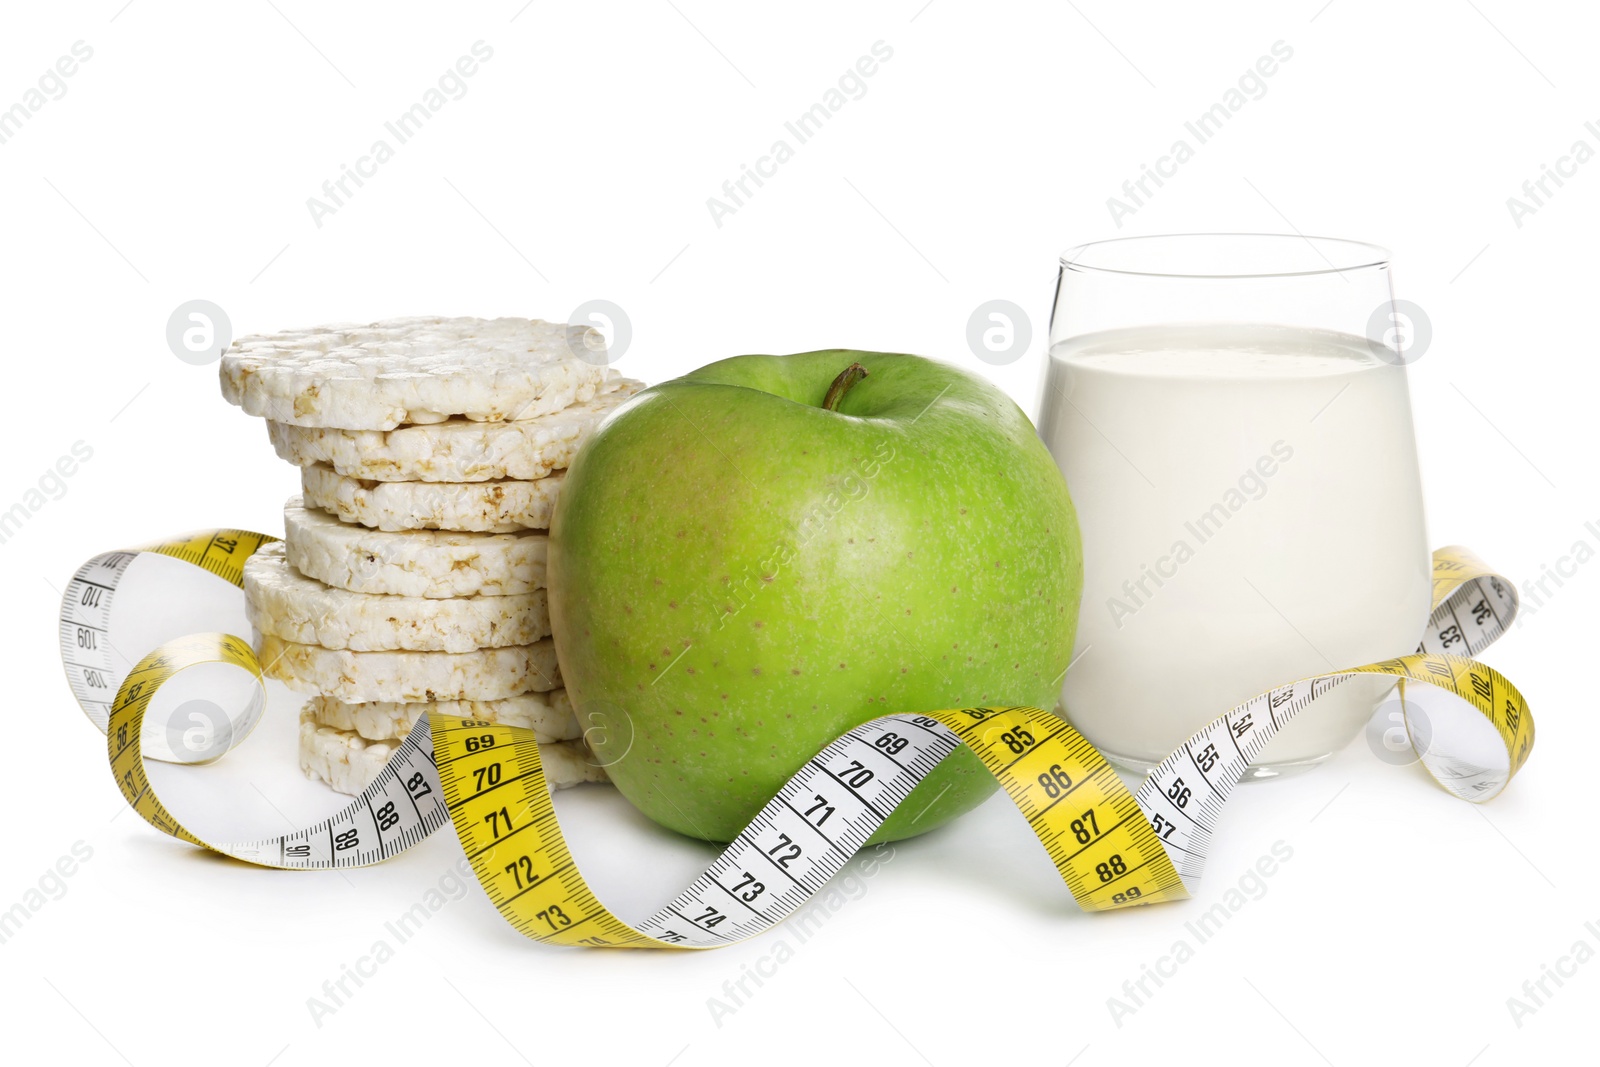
[[1232, 417]]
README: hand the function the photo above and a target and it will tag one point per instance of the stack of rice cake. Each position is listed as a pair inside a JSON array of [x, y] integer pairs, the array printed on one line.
[[412, 572]]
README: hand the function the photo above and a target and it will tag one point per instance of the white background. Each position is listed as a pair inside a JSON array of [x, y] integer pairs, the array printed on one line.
[[577, 166]]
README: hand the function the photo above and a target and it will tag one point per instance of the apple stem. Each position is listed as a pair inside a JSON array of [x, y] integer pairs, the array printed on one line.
[[841, 385]]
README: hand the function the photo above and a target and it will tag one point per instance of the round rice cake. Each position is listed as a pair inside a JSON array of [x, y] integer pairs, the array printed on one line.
[[480, 507], [349, 763], [410, 677], [414, 370], [281, 601], [413, 563], [548, 715], [456, 450]]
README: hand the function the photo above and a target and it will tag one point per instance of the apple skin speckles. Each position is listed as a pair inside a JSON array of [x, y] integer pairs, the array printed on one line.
[[871, 545]]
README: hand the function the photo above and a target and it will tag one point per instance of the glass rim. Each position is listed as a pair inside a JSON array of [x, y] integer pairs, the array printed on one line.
[[1371, 255]]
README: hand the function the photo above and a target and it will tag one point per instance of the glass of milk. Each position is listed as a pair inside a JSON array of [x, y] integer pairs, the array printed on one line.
[[1232, 417]]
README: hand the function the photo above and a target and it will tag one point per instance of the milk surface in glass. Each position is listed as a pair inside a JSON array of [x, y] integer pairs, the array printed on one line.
[[1249, 505]]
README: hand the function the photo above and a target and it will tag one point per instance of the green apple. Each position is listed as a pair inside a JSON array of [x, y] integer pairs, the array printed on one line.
[[748, 561]]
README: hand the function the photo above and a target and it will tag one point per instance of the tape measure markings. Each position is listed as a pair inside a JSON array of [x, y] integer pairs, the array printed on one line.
[[1113, 848], [1461, 580]]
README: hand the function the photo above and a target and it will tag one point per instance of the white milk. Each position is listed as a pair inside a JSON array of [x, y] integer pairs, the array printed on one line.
[[1251, 514]]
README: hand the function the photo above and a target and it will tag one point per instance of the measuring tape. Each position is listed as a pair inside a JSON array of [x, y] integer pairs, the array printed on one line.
[[1112, 848]]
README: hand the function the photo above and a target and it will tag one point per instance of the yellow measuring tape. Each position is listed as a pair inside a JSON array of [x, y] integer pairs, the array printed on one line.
[[1113, 848]]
